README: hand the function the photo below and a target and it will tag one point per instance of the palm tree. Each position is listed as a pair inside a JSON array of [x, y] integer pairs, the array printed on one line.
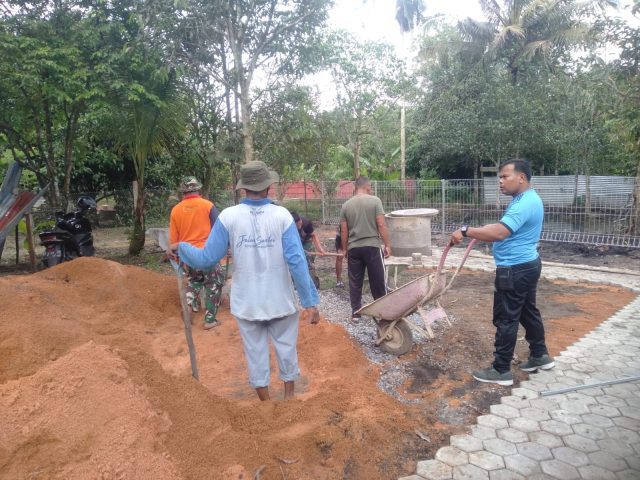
[[519, 31], [147, 121]]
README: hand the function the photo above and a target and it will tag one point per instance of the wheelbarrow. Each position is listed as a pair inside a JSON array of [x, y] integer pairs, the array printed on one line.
[[389, 312]]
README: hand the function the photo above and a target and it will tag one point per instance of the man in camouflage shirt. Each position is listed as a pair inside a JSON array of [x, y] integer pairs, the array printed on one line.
[[191, 221]]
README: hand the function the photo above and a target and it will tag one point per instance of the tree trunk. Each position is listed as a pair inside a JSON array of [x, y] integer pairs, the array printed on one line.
[[137, 237], [247, 127], [49, 157], [357, 145], [68, 151]]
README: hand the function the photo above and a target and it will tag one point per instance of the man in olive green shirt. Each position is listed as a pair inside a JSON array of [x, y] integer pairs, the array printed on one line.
[[362, 226]]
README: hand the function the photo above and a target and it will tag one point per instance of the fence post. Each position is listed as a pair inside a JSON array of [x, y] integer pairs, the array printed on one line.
[[442, 212], [324, 218]]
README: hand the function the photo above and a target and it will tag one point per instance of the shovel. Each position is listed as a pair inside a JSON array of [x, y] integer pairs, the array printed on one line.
[[163, 241]]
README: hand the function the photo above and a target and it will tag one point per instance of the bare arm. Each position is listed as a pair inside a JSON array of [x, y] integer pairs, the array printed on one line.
[[494, 232], [317, 243], [384, 234], [344, 235]]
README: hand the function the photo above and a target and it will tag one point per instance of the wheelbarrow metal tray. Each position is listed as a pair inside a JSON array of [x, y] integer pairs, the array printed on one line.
[[404, 300]]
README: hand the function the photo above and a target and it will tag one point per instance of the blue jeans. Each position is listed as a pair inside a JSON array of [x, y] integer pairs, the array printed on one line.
[[514, 302]]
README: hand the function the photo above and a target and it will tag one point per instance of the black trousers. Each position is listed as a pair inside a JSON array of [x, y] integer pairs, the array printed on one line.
[[514, 302], [371, 260]]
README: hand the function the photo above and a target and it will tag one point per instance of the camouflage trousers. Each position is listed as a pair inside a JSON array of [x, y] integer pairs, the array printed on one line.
[[211, 281]]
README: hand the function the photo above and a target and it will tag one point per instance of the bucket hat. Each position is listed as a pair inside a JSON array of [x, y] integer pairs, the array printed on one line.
[[256, 176], [190, 184]]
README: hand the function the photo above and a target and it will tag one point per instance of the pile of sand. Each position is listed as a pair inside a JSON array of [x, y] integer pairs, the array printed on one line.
[[95, 383]]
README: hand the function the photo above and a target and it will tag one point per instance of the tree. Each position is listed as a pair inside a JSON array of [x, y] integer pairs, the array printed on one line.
[[266, 38], [363, 85], [520, 33], [49, 77]]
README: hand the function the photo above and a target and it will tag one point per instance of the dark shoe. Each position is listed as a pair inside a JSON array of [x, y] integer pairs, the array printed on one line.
[[491, 375], [355, 318], [545, 362], [210, 325]]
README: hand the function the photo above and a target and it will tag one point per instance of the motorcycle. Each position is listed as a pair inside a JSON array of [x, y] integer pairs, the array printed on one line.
[[71, 237]]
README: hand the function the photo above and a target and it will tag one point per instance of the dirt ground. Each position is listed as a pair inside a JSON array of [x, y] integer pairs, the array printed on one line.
[[95, 380]]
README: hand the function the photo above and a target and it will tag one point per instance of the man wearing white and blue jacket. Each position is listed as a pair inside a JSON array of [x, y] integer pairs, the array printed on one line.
[[518, 268], [267, 254]]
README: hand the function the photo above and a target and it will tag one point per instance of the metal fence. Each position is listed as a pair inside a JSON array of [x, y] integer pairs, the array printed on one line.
[[578, 209], [594, 210]]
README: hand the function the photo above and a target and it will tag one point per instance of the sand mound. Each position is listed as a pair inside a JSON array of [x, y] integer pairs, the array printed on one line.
[[95, 382], [81, 417]]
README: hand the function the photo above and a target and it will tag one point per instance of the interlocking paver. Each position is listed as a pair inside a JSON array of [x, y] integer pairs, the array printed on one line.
[[522, 465], [512, 435], [559, 469], [452, 456], [633, 412], [434, 470], [469, 472], [570, 456], [536, 414], [616, 447], [575, 406], [565, 417], [597, 420], [555, 427], [534, 451], [486, 460], [515, 401], [505, 474], [466, 443], [593, 433], [493, 421], [633, 401], [623, 434], [626, 422], [412, 477], [549, 403], [604, 410], [483, 432], [500, 447], [524, 424], [627, 475], [504, 411], [589, 431], [546, 439], [533, 385], [593, 472], [524, 393], [607, 460]]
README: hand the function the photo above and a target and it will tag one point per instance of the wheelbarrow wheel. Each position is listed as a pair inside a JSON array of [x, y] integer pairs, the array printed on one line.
[[399, 340]]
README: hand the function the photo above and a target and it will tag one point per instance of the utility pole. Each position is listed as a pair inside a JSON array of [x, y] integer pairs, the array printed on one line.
[[402, 144]]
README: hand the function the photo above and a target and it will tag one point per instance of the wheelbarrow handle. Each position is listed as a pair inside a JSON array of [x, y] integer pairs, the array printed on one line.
[[464, 259]]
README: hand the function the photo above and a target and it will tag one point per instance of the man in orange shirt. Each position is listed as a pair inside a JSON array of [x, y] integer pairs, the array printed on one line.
[[191, 221]]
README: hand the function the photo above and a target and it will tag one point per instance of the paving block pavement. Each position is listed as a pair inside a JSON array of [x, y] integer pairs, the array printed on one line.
[[591, 433]]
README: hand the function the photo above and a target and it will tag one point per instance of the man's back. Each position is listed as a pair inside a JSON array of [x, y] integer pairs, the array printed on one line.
[[190, 221], [360, 213], [255, 232]]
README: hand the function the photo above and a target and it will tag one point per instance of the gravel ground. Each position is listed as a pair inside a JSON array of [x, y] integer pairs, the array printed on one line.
[[336, 308]]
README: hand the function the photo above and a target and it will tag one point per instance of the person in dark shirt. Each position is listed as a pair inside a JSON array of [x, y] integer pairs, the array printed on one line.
[[310, 243]]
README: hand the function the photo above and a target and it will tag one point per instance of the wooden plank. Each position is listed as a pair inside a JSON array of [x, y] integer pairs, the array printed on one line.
[[28, 218]]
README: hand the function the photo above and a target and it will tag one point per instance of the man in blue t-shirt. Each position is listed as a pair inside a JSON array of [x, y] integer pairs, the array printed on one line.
[[518, 268]]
